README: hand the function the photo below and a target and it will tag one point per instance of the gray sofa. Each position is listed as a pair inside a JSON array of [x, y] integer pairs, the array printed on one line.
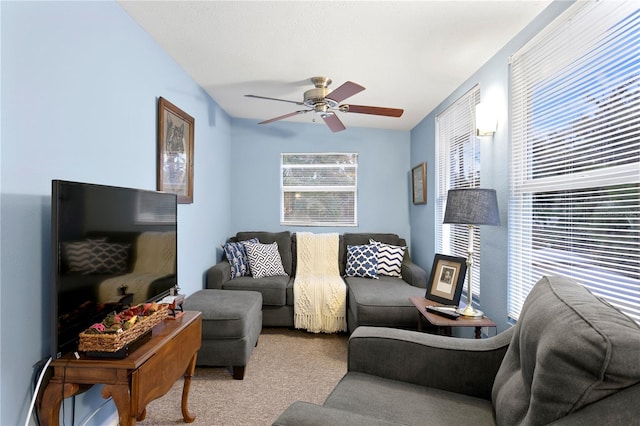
[[372, 302], [572, 359]]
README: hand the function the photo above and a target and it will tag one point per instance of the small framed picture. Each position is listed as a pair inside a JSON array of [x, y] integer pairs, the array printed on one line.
[[419, 183], [447, 279], [175, 151]]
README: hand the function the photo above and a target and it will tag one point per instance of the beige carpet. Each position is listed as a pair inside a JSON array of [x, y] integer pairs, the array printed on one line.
[[286, 366]]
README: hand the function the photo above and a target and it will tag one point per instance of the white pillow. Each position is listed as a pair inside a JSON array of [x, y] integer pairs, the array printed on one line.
[[264, 260], [389, 259]]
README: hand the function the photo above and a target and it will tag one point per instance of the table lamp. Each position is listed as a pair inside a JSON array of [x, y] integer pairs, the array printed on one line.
[[474, 206]]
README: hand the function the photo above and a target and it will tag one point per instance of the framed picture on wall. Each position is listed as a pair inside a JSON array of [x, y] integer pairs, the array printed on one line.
[[419, 183], [447, 279], [175, 151]]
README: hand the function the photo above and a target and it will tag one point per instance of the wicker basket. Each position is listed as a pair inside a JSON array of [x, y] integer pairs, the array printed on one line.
[[113, 342]]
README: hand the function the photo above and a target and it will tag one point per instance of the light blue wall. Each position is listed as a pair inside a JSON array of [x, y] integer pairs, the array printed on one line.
[[493, 78], [80, 82], [383, 184]]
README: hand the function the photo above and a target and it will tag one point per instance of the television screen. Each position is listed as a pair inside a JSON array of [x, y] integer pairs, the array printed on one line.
[[112, 247]]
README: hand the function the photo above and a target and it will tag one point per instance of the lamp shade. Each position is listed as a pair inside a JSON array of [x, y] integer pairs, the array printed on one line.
[[474, 206]]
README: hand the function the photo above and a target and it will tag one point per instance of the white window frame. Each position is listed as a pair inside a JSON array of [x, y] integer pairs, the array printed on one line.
[[458, 148], [574, 202], [338, 185]]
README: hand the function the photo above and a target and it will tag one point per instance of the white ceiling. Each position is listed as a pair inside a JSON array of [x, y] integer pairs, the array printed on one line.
[[408, 54]]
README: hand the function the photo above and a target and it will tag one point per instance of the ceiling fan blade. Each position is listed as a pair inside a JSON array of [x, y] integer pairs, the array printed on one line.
[[282, 117], [344, 91], [274, 99], [363, 109], [333, 122]]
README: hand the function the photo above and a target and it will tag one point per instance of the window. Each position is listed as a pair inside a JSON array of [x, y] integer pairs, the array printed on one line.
[[319, 189], [574, 206], [458, 156]]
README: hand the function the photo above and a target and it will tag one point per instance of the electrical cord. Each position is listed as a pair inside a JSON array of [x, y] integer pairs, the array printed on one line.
[[35, 392]]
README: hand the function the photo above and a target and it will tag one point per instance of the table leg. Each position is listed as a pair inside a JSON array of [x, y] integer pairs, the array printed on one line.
[[188, 418], [419, 321], [478, 334], [52, 398], [122, 398]]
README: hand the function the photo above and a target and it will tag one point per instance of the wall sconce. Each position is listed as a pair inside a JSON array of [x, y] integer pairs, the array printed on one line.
[[486, 122]]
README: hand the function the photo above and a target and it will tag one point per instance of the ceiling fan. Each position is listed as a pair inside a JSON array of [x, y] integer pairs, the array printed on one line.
[[326, 102]]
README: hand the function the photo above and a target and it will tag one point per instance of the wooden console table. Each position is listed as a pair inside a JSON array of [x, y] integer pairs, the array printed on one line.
[[146, 374]]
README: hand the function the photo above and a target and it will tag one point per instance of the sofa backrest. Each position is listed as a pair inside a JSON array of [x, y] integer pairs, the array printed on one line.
[[569, 349], [353, 239], [284, 244], [287, 244]]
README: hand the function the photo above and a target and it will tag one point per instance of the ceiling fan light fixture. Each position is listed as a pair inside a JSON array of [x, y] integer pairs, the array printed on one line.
[[321, 108]]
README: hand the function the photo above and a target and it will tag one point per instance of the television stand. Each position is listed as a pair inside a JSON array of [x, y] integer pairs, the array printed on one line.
[[132, 382]]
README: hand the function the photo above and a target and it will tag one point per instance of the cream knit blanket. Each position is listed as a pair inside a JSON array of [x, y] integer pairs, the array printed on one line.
[[319, 293]]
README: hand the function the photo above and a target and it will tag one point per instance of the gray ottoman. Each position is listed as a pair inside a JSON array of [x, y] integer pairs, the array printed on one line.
[[231, 325]]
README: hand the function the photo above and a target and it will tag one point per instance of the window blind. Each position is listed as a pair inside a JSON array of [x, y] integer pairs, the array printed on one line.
[[458, 166], [319, 189], [574, 206]]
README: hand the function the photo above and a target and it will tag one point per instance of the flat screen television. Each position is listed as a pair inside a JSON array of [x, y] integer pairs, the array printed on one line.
[[112, 247]]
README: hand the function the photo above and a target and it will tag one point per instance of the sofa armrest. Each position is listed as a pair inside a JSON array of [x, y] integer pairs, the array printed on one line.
[[414, 274], [218, 274], [306, 414], [466, 366]]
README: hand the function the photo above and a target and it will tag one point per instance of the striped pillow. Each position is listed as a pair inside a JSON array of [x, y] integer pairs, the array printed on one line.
[[389, 258]]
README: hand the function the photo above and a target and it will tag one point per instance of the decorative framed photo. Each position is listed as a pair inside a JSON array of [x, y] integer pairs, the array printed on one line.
[[446, 279], [175, 151], [419, 183]]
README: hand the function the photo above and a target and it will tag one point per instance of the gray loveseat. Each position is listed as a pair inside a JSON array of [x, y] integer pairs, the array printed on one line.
[[372, 302], [572, 359]]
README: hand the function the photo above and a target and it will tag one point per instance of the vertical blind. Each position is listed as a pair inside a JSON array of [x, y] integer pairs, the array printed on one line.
[[458, 167], [319, 189], [574, 206]]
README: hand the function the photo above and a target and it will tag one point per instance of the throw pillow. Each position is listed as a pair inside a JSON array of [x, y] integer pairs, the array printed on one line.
[[389, 259], [76, 255], [264, 259], [237, 257], [362, 261], [108, 258]]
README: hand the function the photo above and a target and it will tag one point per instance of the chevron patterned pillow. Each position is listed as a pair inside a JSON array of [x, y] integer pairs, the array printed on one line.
[[362, 261], [389, 258], [264, 260]]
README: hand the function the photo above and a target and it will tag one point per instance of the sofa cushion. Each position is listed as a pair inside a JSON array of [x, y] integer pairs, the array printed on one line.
[[264, 260], [389, 258], [407, 403], [383, 302], [362, 261], [282, 238], [273, 289], [569, 349], [237, 256]]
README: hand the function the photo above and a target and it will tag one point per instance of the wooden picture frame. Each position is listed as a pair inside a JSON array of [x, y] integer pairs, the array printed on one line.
[[446, 279], [419, 184], [175, 151]]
